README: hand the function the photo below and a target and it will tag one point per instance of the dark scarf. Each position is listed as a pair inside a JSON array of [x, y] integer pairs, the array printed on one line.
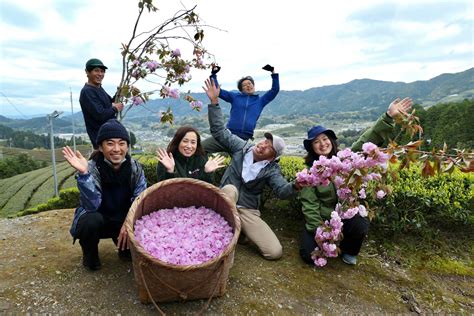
[[108, 175]]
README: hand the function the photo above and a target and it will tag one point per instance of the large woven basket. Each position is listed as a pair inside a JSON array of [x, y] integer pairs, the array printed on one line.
[[159, 281]]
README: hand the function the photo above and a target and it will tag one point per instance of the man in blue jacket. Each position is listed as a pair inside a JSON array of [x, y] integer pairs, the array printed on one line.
[[246, 107], [108, 184], [97, 106]]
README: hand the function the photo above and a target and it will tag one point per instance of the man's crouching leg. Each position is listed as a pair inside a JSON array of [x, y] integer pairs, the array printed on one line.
[[88, 233], [260, 234]]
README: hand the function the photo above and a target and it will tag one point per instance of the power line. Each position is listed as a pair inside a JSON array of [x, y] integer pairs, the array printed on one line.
[[24, 116]]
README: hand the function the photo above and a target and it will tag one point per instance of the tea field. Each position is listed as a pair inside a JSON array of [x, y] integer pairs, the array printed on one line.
[[26, 190]]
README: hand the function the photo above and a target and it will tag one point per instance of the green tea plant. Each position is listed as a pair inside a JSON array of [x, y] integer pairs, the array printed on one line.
[[418, 203], [68, 198], [18, 201], [46, 190]]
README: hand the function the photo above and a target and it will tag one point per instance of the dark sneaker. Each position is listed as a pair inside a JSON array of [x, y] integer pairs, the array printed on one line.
[[92, 262], [349, 259], [90, 256]]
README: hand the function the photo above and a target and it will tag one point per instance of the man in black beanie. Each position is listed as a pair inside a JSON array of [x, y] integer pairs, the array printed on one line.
[[108, 184], [97, 106]]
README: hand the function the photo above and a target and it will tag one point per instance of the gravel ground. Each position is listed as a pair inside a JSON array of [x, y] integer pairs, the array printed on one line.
[[41, 272]]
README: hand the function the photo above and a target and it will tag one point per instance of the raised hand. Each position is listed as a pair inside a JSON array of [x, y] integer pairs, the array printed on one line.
[[212, 91], [398, 107], [76, 160], [214, 163], [215, 69], [166, 159], [267, 67]]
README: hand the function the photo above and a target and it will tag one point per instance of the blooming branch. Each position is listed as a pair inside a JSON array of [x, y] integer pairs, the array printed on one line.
[[149, 53]]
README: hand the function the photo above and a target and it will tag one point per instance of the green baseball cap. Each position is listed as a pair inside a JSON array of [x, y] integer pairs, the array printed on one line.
[[94, 63]]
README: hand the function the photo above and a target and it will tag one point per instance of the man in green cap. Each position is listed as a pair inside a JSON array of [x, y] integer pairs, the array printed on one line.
[[97, 106]]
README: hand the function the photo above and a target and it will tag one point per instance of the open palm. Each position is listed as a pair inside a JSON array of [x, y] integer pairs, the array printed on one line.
[[398, 107], [75, 159], [214, 163], [166, 159]]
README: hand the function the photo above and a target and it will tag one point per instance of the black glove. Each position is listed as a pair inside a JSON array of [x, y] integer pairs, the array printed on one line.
[[215, 69], [267, 67]]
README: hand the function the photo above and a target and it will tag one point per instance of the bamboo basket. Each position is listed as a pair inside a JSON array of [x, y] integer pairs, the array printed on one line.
[[159, 281]]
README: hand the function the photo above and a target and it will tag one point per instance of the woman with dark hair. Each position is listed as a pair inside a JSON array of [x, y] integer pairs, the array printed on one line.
[[318, 202], [186, 158]]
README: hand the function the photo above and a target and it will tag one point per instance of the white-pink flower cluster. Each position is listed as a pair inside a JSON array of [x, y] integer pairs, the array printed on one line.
[[184, 236], [168, 92], [350, 172], [137, 100], [196, 105], [140, 69]]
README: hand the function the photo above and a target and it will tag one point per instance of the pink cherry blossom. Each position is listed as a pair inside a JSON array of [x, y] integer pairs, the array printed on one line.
[[350, 173], [137, 100], [152, 65], [196, 105], [380, 194], [168, 92], [176, 53], [368, 147], [184, 236], [320, 262], [174, 93]]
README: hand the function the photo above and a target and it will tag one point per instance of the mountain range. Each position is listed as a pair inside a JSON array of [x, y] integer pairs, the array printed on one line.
[[356, 95]]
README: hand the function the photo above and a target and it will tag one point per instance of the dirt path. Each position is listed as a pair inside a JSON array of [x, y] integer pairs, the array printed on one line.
[[41, 272]]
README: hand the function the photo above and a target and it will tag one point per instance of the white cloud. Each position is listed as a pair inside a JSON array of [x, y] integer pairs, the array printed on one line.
[[311, 43]]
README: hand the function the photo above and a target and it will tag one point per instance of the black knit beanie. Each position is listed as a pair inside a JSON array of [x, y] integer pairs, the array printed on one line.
[[112, 129]]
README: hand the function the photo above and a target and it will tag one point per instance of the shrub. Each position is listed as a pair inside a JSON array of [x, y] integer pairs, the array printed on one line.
[[68, 198], [418, 203], [149, 164]]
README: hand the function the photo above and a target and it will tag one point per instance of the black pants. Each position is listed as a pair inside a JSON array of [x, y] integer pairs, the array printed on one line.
[[92, 227], [354, 231]]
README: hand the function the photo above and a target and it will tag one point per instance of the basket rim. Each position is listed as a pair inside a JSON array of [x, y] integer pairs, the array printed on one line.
[[130, 227]]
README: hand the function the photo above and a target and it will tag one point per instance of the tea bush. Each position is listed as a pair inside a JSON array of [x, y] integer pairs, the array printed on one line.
[[68, 198], [416, 204]]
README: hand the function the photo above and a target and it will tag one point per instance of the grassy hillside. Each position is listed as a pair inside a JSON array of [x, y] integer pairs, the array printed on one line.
[[29, 189], [39, 154]]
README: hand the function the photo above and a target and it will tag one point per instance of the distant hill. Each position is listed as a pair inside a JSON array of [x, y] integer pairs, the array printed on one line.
[[352, 96], [4, 119], [356, 95]]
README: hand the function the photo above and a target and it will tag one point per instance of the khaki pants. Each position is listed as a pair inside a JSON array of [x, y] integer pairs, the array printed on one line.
[[255, 228]]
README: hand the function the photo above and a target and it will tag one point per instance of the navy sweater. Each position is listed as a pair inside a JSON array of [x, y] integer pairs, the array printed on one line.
[[97, 108]]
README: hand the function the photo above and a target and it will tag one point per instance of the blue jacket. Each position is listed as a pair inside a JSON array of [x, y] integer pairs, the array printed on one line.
[[91, 193], [97, 108], [246, 109]]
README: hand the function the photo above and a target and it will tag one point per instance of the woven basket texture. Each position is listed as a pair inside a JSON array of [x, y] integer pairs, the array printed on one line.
[[164, 282]]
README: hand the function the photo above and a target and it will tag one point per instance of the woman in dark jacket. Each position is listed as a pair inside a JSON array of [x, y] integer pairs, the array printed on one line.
[[318, 202], [186, 158]]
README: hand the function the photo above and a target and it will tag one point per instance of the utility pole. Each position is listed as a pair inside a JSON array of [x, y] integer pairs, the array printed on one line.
[[51, 117], [72, 119]]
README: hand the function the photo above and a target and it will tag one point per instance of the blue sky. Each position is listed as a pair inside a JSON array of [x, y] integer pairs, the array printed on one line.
[[45, 43]]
